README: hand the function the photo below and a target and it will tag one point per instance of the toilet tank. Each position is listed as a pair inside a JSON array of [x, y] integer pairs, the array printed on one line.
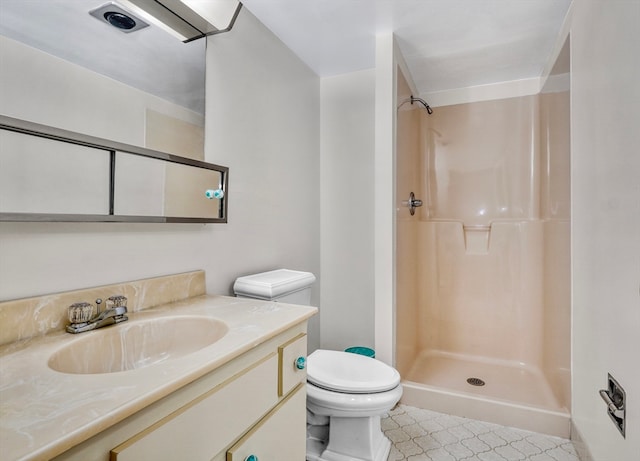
[[283, 285]]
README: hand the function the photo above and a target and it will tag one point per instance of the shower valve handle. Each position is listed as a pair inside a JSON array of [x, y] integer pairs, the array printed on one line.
[[413, 203]]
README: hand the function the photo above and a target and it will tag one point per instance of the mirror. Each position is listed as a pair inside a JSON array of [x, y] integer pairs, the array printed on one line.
[[144, 90], [49, 174], [35, 177], [169, 189], [150, 59]]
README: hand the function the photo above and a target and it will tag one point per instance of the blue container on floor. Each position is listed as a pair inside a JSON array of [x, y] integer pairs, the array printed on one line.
[[362, 351]]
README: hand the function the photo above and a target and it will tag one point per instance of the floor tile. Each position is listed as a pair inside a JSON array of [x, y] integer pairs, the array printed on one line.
[[424, 435]]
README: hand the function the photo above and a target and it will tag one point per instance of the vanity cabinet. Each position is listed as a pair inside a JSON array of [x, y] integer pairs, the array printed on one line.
[[253, 405], [280, 436]]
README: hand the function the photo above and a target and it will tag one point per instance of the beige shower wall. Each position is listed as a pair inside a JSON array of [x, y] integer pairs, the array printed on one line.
[[482, 289], [482, 161], [408, 172], [555, 202], [501, 292], [487, 305]]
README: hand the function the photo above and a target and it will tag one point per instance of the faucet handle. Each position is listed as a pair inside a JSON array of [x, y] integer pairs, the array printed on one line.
[[117, 301], [81, 312]]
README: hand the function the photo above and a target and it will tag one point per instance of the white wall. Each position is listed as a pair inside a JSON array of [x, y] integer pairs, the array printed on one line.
[[605, 111], [389, 62], [262, 122], [384, 197], [347, 209]]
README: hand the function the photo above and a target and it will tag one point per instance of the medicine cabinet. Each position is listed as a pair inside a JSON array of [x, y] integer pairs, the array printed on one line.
[[50, 174]]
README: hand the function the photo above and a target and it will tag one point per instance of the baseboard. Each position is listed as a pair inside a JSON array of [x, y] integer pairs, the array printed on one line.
[[578, 443]]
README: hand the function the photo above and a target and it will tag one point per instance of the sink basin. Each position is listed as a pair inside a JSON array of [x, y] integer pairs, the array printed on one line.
[[137, 344]]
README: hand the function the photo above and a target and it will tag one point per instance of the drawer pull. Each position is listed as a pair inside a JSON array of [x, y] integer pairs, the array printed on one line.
[[251, 458], [301, 363]]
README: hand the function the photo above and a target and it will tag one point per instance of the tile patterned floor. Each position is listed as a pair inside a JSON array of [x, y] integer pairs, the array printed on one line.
[[423, 435]]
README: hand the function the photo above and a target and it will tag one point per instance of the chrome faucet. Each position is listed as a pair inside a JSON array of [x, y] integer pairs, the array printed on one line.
[[86, 317]]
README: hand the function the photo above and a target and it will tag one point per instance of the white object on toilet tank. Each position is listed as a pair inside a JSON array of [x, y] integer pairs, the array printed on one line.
[[282, 285]]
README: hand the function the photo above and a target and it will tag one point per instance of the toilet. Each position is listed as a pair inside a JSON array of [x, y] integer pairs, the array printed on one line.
[[346, 393]]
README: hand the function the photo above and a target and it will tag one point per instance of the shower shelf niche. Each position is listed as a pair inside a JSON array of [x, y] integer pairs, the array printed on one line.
[[476, 239]]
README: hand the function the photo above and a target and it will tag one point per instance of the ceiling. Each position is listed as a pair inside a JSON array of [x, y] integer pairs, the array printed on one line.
[[447, 44]]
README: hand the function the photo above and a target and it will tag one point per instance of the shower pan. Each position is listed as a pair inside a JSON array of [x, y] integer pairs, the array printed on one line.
[[483, 267]]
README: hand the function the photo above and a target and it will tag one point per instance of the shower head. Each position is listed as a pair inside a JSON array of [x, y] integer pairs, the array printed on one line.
[[423, 102]]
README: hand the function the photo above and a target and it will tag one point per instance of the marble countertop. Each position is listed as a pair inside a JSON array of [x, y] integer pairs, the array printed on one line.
[[44, 412]]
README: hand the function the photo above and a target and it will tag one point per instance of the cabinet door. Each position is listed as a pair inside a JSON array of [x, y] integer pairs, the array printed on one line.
[[291, 371], [280, 436], [211, 422]]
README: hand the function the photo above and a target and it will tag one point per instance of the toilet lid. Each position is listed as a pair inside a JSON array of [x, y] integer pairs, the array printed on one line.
[[350, 373]]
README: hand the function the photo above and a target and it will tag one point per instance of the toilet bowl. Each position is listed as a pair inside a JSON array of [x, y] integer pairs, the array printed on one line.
[[346, 393], [346, 396]]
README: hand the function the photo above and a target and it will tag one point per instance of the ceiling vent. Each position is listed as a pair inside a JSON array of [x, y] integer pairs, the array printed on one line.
[[116, 16]]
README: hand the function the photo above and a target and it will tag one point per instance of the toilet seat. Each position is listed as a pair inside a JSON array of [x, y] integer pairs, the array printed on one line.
[[330, 403], [350, 373]]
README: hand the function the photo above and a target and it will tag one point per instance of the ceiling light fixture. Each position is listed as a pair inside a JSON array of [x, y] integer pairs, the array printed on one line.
[[188, 19]]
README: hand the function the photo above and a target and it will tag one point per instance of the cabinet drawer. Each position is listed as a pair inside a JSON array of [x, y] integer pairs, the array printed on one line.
[[289, 375], [280, 436], [211, 422]]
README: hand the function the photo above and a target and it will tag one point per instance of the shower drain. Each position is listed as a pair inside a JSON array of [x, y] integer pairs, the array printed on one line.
[[475, 381]]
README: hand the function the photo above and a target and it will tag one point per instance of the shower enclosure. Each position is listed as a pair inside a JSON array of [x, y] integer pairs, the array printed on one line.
[[483, 267]]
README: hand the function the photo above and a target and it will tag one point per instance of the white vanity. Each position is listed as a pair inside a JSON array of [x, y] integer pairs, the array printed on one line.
[[241, 397]]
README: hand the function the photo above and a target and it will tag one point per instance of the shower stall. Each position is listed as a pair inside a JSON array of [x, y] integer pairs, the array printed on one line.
[[483, 266]]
